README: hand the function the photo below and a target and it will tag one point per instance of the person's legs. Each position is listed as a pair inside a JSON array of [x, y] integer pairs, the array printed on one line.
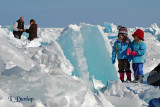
[[121, 74], [135, 69], [16, 36], [140, 69], [19, 36], [128, 76], [127, 69], [121, 69], [139, 73]]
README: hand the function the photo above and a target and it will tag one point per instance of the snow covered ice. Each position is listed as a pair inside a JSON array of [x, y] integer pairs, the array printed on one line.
[[59, 69]]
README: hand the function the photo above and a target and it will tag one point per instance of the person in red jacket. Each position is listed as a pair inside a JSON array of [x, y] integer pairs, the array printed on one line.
[[32, 30]]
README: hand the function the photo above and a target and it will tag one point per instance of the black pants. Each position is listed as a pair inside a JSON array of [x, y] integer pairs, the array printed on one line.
[[17, 34], [124, 66]]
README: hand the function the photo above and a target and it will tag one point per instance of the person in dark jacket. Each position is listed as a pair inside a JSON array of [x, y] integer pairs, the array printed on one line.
[[154, 79], [154, 76], [18, 28], [32, 30]]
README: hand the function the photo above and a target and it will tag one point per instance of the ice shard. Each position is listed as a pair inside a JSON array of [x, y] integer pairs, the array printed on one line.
[[85, 47]]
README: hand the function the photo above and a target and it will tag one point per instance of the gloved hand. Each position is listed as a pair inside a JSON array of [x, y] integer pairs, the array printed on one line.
[[113, 60], [134, 53], [128, 51]]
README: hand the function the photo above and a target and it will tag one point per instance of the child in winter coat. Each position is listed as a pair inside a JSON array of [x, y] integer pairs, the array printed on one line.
[[137, 50], [119, 50]]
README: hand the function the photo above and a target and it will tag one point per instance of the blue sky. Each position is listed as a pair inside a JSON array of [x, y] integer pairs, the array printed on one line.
[[61, 13]]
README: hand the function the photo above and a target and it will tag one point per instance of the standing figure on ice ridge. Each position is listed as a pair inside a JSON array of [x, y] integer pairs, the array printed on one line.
[[119, 50], [32, 30], [137, 50], [18, 28]]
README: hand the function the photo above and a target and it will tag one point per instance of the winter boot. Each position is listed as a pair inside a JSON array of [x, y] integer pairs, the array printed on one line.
[[135, 78], [140, 79], [121, 76], [128, 77]]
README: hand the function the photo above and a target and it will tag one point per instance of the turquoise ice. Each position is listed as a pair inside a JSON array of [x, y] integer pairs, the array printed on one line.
[[84, 46], [108, 27]]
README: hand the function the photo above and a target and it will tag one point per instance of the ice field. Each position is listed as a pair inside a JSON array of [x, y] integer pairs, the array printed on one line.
[[68, 67]]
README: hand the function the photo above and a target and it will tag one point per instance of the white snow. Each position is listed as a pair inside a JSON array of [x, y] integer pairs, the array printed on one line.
[[39, 69], [74, 27], [154, 29], [4, 102], [120, 96], [10, 54]]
